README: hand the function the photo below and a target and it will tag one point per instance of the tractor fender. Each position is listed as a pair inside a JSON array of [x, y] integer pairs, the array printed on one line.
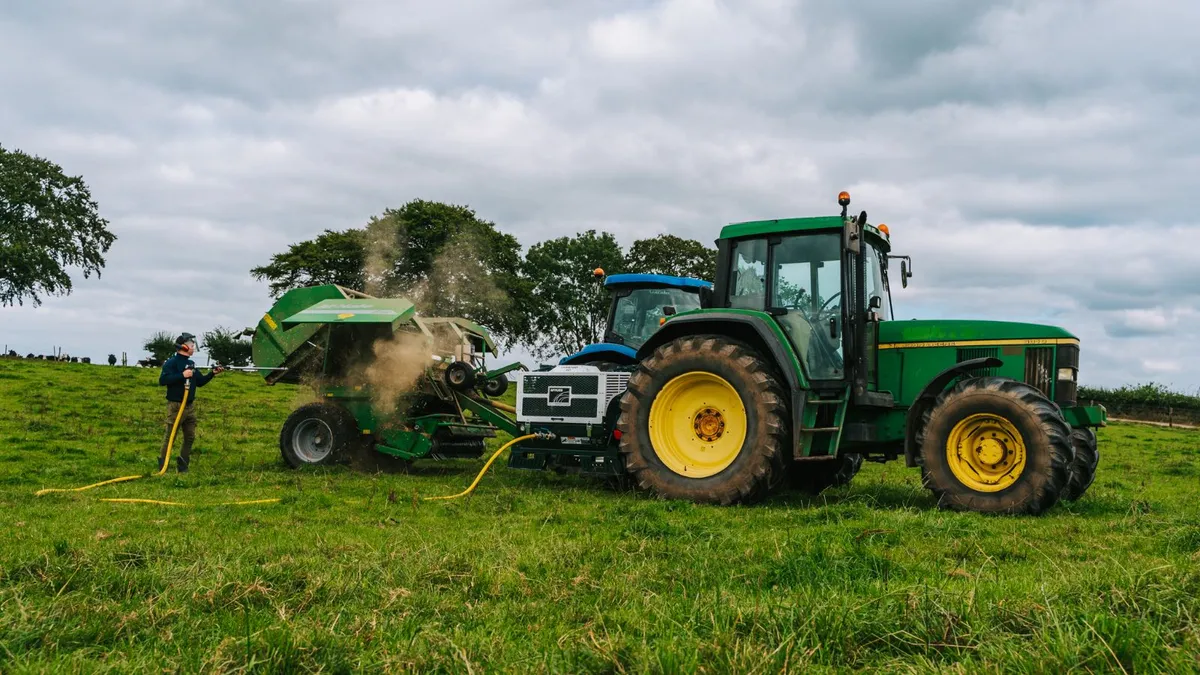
[[928, 397], [602, 351], [757, 334], [753, 330]]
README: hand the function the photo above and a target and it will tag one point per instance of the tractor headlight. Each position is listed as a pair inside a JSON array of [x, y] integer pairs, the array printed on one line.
[[1066, 374]]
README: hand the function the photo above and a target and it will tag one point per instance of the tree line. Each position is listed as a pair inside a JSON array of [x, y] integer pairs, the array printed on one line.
[[451, 262], [444, 257]]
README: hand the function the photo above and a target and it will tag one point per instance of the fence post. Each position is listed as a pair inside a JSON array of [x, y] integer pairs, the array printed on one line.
[[1170, 416]]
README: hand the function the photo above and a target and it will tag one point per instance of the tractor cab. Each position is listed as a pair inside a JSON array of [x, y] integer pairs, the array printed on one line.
[[639, 305], [799, 271]]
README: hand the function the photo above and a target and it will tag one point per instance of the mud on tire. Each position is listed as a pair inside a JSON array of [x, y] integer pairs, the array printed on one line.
[[758, 465], [1043, 432]]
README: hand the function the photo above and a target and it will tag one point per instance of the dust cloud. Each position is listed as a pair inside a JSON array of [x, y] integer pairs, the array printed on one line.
[[381, 257], [397, 366]]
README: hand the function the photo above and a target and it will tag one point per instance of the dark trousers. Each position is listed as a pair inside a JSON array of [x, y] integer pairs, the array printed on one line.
[[187, 429]]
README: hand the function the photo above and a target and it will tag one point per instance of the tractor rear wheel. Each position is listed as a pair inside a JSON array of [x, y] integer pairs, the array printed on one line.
[[318, 433], [704, 419], [995, 445], [1083, 469]]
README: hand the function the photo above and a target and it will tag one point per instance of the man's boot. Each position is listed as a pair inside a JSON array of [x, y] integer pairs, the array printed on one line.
[[181, 465]]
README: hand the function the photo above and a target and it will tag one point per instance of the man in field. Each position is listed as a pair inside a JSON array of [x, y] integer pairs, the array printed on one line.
[[178, 370]]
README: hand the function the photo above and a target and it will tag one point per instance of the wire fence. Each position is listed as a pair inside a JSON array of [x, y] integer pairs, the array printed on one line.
[[1169, 415]]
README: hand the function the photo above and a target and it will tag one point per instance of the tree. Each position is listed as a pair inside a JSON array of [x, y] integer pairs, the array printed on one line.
[[48, 222], [331, 258], [443, 257], [226, 347], [572, 306], [668, 254], [160, 345]]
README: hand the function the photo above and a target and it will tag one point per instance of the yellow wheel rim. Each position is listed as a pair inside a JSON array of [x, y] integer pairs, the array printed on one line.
[[697, 424], [985, 452]]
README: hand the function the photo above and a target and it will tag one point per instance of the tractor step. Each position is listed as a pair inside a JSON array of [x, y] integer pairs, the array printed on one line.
[[820, 427]]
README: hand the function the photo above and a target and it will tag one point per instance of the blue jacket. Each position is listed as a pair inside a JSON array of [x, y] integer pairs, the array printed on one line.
[[172, 378]]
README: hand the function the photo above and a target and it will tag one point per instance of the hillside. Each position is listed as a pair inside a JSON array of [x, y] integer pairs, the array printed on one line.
[[539, 572]]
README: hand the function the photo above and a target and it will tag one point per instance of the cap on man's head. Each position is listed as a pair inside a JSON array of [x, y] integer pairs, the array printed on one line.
[[183, 339]]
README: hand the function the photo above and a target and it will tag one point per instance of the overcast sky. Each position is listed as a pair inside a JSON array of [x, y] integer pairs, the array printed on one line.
[[1038, 159]]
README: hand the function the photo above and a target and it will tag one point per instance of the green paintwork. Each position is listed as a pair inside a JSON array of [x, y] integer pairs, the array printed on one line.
[[944, 330], [760, 228], [1085, 416], [489, 414], [305, 327], [272, 344], [354, 310], [718, 312]]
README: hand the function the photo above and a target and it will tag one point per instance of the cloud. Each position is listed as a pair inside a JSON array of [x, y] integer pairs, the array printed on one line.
[[1035, 158]]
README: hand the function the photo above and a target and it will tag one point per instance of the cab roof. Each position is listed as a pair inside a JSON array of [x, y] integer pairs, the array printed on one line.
[[759, 228]]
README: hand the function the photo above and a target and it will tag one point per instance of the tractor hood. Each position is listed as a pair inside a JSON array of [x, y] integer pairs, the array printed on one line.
[[951, 331]]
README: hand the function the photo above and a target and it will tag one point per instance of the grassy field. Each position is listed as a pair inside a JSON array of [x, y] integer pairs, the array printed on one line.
[[538, 572]]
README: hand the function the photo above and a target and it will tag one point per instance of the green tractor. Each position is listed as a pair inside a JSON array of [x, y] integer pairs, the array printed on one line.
[[799, 363]]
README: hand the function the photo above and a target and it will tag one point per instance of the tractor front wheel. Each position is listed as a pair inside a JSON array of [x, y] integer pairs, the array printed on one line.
[[1083, 469], [995, 445], [704, 419], [317, 433]]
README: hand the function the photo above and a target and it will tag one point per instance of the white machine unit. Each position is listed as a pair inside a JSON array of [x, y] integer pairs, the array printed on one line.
[[568, 394]]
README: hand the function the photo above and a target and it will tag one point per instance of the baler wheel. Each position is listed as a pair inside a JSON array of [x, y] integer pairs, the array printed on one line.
[[317, 433], [496, 386], [1083, 469], [704, 419], [995, 445]]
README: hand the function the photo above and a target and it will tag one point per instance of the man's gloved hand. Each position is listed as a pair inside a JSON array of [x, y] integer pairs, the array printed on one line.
[[218, 369]]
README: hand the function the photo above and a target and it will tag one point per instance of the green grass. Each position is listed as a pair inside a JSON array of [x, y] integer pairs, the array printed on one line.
[[538, 572]]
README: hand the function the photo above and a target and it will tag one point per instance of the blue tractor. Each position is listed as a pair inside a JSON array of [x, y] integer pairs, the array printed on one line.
[[639, 303]]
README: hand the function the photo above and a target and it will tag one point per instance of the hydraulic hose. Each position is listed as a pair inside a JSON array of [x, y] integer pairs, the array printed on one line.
[[161, 470], [479, 477]]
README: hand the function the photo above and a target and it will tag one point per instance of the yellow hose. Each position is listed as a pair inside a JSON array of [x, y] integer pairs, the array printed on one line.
[[162, 470], [478, 478]]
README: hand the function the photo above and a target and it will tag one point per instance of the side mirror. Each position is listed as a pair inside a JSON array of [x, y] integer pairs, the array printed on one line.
[[668, 310], [905, 273], [833, 327]]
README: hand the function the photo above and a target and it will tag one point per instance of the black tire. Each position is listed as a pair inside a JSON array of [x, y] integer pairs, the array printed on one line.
[[1083, 469], [1043, 432], [496, 386], [460, 376], [815, 477], [318, 434], [756, 467]]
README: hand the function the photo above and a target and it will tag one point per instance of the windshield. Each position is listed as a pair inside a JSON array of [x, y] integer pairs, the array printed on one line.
[[876, 285], [808, 285], [635, 316]]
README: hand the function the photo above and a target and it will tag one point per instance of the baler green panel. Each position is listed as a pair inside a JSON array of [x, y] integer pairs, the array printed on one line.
[[353, 310], [273, 344]]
